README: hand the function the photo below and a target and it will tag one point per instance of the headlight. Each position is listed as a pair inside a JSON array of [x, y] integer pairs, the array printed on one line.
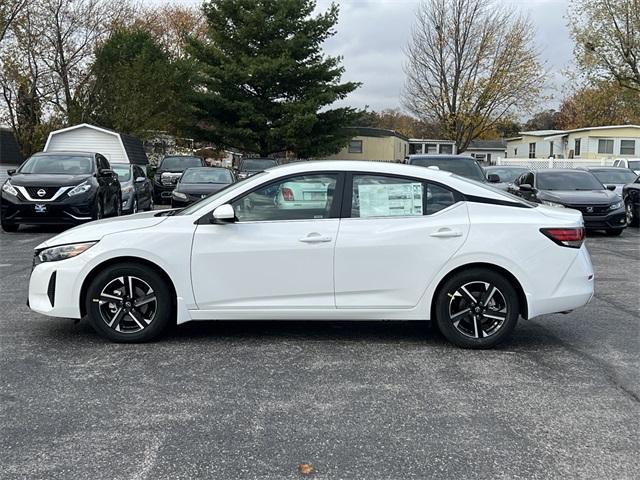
[[615, 206], [179, 195], [7, 187], [82, 188], [62, 252], [552, 204]]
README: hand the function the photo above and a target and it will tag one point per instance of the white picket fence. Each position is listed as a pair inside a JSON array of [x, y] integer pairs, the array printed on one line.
[[537, 163]]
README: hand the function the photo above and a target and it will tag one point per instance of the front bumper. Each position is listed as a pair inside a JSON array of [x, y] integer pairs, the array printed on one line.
[[616, 219], [68, 210], [162, 191]]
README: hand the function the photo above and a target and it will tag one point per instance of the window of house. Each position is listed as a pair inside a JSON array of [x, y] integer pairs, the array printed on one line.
[[304, 197], [605, 146], [627, 147], [551, 149], [515, 152], [446, 148], [532, 150], [431, 148], [415, 148], [355, 146], [576, 147]]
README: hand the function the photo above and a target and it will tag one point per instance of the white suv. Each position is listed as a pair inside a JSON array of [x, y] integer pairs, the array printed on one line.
[[630, 163]]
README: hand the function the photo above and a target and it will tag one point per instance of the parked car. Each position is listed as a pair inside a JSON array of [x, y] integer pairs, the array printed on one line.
[[251, 166], [60, 188], [631, 197], [137, 190], [601, 208], [616, 176], [392, 255], [467, 167], [630, 163], [506, 173], [168, 173], [198, 182]]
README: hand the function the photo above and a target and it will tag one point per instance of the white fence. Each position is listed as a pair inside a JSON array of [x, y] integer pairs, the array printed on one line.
[[536, 163]]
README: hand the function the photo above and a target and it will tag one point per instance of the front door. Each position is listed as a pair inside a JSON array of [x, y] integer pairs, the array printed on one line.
[[399, 234], [277, 254]]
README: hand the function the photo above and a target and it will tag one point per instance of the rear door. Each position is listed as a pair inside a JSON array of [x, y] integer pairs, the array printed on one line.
[[396, 234]]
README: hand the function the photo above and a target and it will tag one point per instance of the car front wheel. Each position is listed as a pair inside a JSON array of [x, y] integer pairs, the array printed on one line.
[[632, 218], [477, 308], [129, 303]]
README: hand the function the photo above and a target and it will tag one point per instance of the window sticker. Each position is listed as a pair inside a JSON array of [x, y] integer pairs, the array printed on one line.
[[390, 200]]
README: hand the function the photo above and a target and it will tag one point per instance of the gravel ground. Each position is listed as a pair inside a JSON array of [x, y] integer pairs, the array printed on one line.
[[364, 400]]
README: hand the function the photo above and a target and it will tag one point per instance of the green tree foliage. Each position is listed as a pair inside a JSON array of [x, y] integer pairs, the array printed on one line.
[[136, 87], [264, 84]]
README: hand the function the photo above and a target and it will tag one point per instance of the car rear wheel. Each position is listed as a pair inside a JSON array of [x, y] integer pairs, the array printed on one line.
[[129, 303], [10, 227], [632, 218], [477, 309]]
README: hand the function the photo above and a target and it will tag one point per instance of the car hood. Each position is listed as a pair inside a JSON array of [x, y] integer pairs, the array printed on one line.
[[584, 197], [200, 188], [93, 231], [46, 180]]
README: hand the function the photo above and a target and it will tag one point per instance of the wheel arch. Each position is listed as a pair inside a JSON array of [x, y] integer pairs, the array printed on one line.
[[127, 260], [522, 298]]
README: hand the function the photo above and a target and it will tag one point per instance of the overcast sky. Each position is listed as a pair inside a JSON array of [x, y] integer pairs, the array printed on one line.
[[371, 36]]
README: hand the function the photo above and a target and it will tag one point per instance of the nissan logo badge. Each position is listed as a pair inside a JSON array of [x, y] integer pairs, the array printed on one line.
[[41, 193]]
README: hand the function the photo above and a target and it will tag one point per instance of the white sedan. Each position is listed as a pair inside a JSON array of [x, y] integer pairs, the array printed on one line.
[[392, 242]]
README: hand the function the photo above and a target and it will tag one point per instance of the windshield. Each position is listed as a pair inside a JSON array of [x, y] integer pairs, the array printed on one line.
[[179, 164], [507, 175], [465, 167], [206, 175], [194, 207], [123, 172], [617, 176], [58, 165], [257, 164], [568, 181], [634, 164]]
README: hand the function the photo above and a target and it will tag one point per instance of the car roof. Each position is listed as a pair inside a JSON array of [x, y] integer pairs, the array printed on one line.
[[561, 170], [519, 167], [606, 168], [65, 152], [441, 156]]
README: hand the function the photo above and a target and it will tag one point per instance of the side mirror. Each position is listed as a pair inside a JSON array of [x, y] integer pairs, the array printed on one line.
[[141, 180], [611, 187], [493, 178], [105, 172], [11, 171], [525, 187], [224, 214]]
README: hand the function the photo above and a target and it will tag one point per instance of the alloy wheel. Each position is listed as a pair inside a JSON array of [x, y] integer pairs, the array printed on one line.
[[127, 304], [134, 208], [478, 309], [629, 210]]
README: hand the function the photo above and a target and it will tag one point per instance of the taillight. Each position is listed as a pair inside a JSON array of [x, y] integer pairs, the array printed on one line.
[[566, 237], [287, 194]]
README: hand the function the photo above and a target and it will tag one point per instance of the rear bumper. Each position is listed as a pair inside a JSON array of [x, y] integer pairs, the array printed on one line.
[[574, 290]]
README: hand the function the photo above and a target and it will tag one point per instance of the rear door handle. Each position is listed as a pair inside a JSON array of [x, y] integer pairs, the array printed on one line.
[[315, 238], [446, 233]]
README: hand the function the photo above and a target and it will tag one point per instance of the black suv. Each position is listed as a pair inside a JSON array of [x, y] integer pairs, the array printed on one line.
[[59, 188], [169, 172], [467, 167], [251, 166]]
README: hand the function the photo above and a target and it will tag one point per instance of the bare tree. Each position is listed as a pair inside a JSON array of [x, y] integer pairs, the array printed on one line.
[[471, 64], [607, 36], [9, 11]]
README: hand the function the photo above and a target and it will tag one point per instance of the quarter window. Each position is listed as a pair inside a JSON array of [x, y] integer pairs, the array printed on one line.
[[305, 197], [438, 198], [605, 146], [355, 146], [627, 147]]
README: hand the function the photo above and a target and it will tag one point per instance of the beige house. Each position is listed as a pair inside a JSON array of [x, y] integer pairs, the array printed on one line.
[[374, 144], [591, 143]]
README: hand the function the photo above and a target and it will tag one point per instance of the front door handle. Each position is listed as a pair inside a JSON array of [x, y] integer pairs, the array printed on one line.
[[315, 238], [446, 233]]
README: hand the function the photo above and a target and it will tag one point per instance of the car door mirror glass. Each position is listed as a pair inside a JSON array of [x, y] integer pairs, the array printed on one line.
[[611, 187], [11, 171], [224, 214]]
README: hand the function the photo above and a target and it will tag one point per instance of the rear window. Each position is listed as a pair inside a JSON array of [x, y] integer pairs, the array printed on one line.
[[58, 165], [465, 167], [123, 172], [634, 164], [206, 175], [180, 163]]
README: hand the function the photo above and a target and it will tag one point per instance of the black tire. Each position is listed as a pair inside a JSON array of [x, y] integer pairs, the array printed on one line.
[[134, 206], [473, 328], [98, 210], [614, 232], [10, 227], [117, 207], [130, 323], [632, 216]]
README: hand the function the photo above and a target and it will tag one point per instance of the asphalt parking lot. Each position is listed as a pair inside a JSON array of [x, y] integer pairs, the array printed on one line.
[[356, 400]]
